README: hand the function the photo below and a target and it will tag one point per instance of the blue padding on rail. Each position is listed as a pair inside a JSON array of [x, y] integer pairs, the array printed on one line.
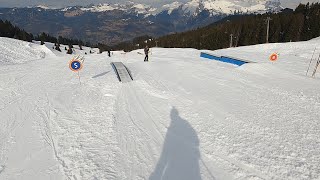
[[232, 61], [209, 56], [225, 59]]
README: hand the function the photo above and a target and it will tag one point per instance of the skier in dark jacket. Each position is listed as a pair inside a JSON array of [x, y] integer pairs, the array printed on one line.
[[146, 52]]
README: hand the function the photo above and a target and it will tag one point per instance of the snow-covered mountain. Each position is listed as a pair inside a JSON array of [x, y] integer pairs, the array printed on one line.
[[225, 6], [127, 7], [114, 23], [194, 7]]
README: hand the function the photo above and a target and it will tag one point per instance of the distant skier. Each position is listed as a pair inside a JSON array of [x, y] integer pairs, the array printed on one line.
[[146, 52], [109, 53]]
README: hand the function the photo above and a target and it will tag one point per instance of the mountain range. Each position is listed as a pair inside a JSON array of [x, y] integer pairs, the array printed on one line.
[[114, 23]]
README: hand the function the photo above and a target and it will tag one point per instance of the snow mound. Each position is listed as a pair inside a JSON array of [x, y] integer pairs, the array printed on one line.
[[262, 69], [315, 39], [14, 51]]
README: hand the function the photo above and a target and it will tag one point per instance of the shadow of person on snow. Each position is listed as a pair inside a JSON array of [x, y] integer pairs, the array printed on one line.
[[180, 154]]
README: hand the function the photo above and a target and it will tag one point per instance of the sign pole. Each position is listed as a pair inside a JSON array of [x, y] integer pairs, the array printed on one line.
[[76, 64], [316, 68], [311, 60], [79, 77]]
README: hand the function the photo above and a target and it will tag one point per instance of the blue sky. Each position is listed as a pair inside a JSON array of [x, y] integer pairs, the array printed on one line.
[[64, 3]]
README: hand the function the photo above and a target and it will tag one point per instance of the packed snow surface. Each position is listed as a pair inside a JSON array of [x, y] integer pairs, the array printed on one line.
[[183, 117]]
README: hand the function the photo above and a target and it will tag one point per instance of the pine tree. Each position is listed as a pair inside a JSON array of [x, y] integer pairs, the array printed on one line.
[[57, 47]]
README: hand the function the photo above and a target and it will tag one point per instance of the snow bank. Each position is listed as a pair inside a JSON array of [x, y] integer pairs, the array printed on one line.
[[294, 57], [316, 39], [49, 48], [262, 69], [14, 51]]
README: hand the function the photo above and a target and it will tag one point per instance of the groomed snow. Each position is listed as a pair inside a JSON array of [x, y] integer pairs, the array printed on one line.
[[183, 117]]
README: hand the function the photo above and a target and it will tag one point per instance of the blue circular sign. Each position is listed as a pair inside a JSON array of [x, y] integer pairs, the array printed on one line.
[[75, 65]]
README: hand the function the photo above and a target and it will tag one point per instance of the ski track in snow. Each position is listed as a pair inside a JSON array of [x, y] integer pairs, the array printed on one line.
[[181, 113]]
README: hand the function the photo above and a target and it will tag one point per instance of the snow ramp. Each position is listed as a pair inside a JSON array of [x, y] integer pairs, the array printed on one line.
[[122, 72]]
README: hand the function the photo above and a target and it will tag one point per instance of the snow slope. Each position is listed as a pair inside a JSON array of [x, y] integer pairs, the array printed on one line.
[[13, 51], [183, 117]]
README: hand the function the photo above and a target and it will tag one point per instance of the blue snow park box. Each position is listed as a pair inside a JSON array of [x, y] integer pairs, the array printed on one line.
[[226, 59], [209, 56]]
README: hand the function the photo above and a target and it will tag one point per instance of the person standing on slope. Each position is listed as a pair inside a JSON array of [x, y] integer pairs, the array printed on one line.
[[146, 52]]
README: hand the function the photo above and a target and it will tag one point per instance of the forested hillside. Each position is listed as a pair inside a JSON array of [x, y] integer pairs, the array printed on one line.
[[8, 30], [11, 31], [299, 25]]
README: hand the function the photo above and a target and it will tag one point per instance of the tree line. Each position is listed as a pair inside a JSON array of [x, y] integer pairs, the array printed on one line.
[[300, 24], [11, 31], [8, 30]]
